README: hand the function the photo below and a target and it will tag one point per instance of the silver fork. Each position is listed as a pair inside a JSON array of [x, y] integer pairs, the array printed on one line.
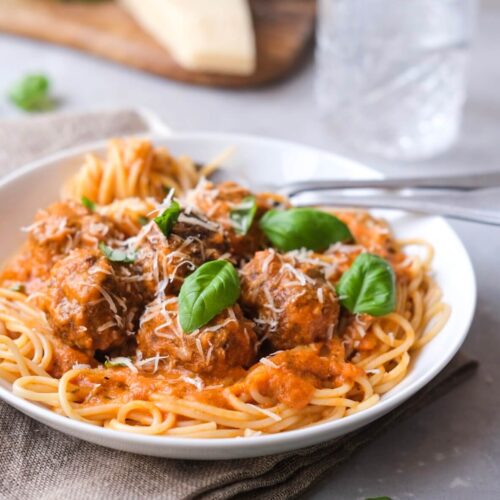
[[471, 197], [477, 205], [457, 183]]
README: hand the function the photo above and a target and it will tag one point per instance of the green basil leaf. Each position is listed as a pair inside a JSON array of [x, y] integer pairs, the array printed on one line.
[[303, 228], [368, 286], [244, 214], [213, 287], [31, 93], [123, 256], [168, 218], [88, 204]]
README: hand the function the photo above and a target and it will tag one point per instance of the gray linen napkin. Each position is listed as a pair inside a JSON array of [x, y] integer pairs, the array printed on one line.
[[24, 140], [39, 463]]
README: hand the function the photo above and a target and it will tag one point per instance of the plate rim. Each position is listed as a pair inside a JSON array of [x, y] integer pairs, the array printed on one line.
[[255, 445]]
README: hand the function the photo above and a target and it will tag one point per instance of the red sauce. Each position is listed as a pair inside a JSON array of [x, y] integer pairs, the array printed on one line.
[[62, 260]]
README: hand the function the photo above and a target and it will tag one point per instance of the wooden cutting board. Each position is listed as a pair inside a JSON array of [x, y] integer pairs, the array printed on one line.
[[284, 29]]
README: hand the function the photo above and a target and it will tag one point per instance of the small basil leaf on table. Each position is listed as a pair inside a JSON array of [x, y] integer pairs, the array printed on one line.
[[87, 203], [166, 220], [303, 228], [244, 214], [368, 286], [31, 93], [213, 287], [123, 256]]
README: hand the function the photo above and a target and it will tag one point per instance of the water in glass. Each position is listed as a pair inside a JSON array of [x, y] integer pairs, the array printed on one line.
[[391, 73]]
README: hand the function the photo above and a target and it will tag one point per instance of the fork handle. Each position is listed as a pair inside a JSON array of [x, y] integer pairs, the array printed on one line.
[[454, 206], [461, 182]]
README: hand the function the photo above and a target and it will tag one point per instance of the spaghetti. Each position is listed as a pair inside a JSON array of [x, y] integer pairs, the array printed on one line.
[[134, 168], [100, 341]]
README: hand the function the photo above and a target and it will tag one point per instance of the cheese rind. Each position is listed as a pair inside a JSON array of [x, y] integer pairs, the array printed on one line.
[[202, 35]]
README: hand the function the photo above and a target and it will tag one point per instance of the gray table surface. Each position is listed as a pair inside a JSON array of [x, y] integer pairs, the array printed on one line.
[[450, 450]]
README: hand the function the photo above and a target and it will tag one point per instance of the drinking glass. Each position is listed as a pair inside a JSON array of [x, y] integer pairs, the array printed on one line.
[[391, 74]]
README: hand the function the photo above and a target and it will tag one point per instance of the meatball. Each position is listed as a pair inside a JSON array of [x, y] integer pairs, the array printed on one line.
[[217, 202], [288, 299], [65, 225], [56, 230], [227, 341], [167, 261], [90, 303]]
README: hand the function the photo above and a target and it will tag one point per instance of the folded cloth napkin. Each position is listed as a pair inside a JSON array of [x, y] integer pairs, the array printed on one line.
[[39, 463], [25, 140]]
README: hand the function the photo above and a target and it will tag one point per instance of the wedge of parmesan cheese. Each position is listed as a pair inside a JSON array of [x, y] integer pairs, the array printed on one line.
[[202, 35]]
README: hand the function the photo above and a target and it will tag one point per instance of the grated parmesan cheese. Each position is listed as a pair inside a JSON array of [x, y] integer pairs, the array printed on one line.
[[267, 261], [105, 326], [195, 221], [267, 362], [107, 296], [329, 332], [302, 278], [154, 359], [200, 348], [270, 301], [196, 381]]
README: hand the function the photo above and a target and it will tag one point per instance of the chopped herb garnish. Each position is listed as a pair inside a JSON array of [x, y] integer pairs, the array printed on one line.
[[168, 218], [31, 93], [18, 287], [143, 220], [123, 256], [244, 214], [111, 364], [120, 361], [88, 204]]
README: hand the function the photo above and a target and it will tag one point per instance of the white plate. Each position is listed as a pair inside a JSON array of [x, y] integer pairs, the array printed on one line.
[[266, 161]]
